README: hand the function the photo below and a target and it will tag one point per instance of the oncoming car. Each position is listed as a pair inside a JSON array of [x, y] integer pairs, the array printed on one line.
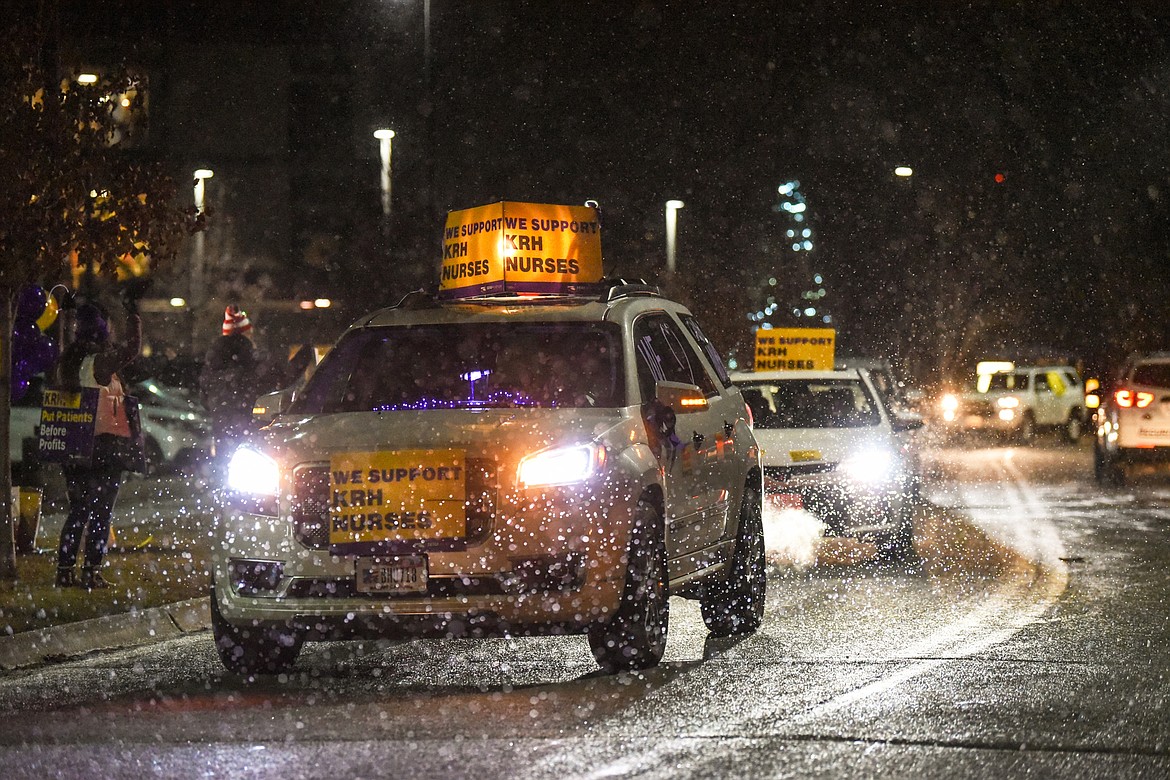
[[496, 467], [827, 440], [1133, 423]]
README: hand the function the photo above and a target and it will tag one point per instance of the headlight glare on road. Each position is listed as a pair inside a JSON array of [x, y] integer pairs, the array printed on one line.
[[253, 472], [561, 466], [870, 467]]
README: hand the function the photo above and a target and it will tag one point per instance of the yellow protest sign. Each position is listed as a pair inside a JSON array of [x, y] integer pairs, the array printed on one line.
[[520, 248], [795, 349], [396, 496]]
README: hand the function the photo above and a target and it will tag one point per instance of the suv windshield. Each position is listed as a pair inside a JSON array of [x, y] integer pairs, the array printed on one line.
[[1003, 381], [1152, 374], [810, 403], [469, 366]]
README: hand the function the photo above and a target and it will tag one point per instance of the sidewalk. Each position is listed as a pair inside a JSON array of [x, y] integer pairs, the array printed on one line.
[[157, 567]]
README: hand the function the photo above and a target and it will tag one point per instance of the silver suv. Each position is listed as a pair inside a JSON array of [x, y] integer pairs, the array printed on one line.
[[1133, 423], [496, 467], [1018, 402]]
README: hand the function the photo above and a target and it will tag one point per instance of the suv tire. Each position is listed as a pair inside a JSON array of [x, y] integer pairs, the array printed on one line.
[[1074, 427], [1027, 431], [252, 650], [900, 543], [734, 605], [635, 636], [1108, 468]]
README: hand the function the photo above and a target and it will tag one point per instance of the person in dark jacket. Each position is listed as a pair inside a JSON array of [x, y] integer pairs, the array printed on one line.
[[229, 384], [93, 360]]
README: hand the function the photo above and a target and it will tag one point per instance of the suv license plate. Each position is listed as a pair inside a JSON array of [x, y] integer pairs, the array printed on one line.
[[398, 574]]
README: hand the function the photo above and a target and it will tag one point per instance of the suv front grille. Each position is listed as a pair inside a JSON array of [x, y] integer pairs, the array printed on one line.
[[979, 407], [310, 506], [437, 588]]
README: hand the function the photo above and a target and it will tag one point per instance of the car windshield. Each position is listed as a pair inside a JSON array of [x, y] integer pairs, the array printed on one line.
[[1152, 374], [469, 366], [1002, 381], [810, 403]]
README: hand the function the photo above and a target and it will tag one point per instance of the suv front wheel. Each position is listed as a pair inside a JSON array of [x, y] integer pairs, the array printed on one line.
[[634, 637], [735, 605], [1074, 427], [1026, 433], [252, 650]]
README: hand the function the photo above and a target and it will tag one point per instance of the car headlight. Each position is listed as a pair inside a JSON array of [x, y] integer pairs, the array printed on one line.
[[561, 466], [870, 466], [949, 402], [253, 472], [1008, 402]]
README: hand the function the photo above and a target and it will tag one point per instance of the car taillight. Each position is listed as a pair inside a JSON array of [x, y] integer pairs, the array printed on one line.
[[1129, 398]]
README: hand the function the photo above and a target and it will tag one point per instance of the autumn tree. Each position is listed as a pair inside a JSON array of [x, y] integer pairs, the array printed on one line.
[[71, 191]]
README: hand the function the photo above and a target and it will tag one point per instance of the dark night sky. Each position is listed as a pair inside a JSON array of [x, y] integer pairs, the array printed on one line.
[[717, 103]]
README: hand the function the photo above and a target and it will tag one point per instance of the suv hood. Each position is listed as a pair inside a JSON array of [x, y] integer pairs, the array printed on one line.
[[499, 434]]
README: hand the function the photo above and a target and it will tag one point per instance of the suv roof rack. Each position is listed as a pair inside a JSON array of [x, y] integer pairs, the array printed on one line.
[[615, 289]]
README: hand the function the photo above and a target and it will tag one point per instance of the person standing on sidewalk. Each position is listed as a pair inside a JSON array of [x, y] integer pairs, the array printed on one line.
[[93, 360], [229, 384]]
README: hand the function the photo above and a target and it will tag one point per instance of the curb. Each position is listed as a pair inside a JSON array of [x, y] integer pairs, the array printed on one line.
[[112, 632]]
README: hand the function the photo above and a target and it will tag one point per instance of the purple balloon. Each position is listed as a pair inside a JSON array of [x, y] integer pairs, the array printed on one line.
[[31, 303], [32, 353]]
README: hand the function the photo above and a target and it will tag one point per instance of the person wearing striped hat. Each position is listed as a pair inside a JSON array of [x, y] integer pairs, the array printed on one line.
[[235, 320], [229, 383]]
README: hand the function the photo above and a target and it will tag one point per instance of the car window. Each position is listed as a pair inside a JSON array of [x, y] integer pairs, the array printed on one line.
[[1042, 383], [469, 366], [664, 354], [810, 403], [713, 356], [1152, 374], [1007, 381]]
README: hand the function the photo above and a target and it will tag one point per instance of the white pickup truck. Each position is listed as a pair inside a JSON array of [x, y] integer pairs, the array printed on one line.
[[1018, 401]]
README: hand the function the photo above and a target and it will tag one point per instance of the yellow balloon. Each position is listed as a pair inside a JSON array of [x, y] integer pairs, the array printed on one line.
[[49, 315]]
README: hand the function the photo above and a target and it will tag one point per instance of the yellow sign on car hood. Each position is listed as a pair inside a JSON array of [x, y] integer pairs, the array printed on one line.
[[397, 496], [520, 248]]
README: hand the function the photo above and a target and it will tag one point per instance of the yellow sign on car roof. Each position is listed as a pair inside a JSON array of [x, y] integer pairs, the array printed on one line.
[[794, 349], [511, 247]]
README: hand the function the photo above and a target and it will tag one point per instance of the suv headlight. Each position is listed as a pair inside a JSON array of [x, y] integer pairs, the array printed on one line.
[[1008, 402], [253, 472], [871, 466], [561, 466]]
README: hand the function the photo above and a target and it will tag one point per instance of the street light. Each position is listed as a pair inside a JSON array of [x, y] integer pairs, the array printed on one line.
[[201, 175], [672, 207], [195, 294], [385, 135]]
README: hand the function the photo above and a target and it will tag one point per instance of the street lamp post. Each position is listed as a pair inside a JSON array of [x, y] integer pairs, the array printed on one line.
[[672, 207], [385, 136], [198, 262]]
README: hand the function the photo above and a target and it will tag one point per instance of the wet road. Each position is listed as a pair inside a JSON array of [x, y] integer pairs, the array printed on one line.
[[975, 662]]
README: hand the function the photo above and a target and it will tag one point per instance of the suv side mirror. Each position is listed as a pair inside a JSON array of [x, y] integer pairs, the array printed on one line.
[[680, 397], [903, 422], [270, 405]]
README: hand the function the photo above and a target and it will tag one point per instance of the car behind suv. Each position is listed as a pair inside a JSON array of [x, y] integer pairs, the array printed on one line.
[[1133, 423], [828, 440], [500, 466], [1018, 402]]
